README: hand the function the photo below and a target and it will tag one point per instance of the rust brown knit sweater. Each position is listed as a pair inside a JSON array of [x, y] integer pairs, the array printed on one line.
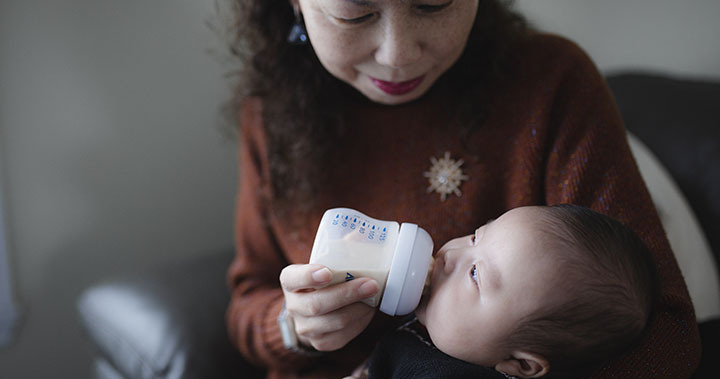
[[553, 135]]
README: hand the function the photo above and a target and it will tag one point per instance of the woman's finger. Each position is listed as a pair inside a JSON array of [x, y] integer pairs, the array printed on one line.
[[300, 277], [318, 326], [335, 340], [329, 299]]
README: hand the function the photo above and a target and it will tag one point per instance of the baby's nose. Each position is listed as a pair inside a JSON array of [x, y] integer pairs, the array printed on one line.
[[446, 259]]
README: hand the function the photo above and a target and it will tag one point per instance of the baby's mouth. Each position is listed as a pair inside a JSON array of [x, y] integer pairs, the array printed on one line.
[[428, 277]]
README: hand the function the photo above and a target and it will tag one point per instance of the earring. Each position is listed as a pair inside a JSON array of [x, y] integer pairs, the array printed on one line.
[[298, 34]]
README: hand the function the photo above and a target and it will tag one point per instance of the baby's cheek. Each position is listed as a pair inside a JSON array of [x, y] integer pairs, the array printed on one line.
[[449, 339], [442, 318]]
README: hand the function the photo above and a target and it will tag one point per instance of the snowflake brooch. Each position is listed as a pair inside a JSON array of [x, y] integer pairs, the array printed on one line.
[[445, 176]]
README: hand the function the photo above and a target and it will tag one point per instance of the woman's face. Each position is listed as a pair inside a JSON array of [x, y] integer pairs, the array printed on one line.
[[392, 51]]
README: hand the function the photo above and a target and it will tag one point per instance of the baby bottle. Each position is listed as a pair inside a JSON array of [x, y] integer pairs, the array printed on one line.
[[398, 257]]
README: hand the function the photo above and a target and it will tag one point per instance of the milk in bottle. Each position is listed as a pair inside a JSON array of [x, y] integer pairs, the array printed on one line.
[[398, 257]]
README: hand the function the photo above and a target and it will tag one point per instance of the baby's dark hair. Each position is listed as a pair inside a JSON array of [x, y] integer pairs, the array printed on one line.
[[609, 288]]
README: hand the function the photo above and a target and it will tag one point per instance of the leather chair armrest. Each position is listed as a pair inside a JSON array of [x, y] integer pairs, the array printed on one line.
[[165, 323], [678, 120]]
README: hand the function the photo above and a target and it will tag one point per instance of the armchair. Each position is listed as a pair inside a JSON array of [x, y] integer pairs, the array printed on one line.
[[169, 323]]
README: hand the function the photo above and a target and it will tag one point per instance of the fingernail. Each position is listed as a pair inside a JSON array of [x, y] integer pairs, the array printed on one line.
[[368, 288], [322, 275]]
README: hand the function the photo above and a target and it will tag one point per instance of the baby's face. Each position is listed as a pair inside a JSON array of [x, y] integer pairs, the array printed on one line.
[[484, 284]]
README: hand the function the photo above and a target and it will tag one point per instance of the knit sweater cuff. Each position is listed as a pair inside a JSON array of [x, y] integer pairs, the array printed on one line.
[[274, 342]]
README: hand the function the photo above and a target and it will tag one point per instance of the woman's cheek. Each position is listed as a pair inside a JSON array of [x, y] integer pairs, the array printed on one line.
[[340, 53], [335, 50], [449, 36]]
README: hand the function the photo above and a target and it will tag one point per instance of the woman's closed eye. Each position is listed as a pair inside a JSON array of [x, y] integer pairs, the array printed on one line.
[[355, 20], [428, 8], [423, 8]]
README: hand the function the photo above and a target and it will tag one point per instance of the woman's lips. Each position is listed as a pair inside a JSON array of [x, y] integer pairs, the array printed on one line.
[[397, 88]]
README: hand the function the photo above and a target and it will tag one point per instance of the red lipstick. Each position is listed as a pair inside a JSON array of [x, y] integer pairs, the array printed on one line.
[[397, 88]]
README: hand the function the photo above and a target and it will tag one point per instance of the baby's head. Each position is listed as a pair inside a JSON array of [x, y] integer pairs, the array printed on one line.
[[558, 288]]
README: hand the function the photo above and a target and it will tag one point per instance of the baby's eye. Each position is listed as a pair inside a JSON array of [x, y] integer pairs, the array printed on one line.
[[474, 239], [473, 274]]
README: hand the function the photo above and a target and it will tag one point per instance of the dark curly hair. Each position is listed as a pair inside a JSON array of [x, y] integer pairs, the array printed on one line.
[[300, 129]]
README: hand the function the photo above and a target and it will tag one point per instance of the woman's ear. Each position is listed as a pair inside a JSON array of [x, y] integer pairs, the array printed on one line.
[[524, 365]]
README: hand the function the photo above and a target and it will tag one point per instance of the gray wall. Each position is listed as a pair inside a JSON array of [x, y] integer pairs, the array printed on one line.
[[112, 154], [670, 36]]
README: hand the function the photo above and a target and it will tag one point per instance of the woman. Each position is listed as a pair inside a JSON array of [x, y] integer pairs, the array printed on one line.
[[370, 105]]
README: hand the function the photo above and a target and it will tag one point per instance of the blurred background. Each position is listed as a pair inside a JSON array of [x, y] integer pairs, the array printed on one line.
[[114, 154]]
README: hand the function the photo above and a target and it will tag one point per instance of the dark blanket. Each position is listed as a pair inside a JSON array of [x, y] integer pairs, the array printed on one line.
[[408, 353]]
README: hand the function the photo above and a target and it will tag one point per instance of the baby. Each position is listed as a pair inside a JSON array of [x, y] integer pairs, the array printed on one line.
[[541, 289]]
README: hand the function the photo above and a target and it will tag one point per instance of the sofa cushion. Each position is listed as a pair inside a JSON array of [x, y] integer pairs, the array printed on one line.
[[102, 369], [683, 231], [679, 120], [165, 323]]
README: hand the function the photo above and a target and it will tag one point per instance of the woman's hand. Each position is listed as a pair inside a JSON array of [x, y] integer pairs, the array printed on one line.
[[326, 318]]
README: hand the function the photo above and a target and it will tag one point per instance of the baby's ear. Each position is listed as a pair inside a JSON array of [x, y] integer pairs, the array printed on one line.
[[524, 365]]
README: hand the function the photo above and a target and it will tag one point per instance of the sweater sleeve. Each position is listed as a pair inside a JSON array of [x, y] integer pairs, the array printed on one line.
[[590, 164], [256, 297]]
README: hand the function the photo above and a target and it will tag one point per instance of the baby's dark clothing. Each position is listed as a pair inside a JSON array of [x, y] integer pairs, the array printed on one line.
[[408, 353]]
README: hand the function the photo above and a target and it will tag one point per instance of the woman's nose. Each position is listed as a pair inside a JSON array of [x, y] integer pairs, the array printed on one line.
[[400, 46]]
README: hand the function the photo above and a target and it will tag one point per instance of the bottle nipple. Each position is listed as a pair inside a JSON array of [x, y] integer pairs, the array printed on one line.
[[426, 287]]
